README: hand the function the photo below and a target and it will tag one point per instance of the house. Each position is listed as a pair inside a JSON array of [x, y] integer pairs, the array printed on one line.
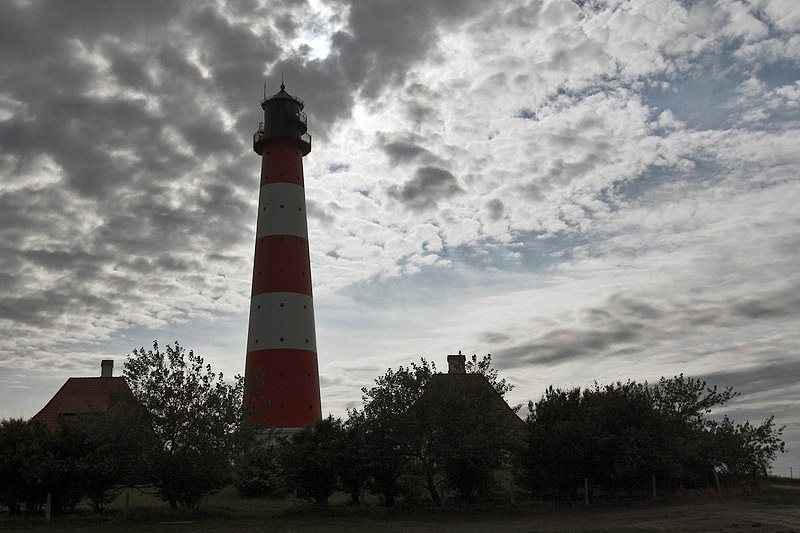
[[82, 397], [471, 399]]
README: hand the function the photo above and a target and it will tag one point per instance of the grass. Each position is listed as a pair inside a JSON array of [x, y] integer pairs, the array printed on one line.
[[778, 496], [784, 480], [229, 512]]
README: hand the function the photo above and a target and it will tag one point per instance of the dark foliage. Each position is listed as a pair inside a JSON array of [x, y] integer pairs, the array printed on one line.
[[442, 431], [352, 466], [745, 451], [193, 420], [460, 431], [620, 435], [88, 458], [385, 427], [310, 459], [25, 459], [483, 366], [258, 470]]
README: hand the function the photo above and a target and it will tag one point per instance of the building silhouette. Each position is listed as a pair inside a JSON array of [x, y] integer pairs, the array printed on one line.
[[80, 398]]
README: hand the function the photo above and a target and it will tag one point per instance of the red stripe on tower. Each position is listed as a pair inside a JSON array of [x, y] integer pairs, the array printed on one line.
[[281, 373]]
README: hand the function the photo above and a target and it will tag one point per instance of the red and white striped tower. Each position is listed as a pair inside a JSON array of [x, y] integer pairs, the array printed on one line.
[[281, 371]]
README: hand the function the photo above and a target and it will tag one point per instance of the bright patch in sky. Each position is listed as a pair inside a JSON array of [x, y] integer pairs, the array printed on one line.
[[317, 23]]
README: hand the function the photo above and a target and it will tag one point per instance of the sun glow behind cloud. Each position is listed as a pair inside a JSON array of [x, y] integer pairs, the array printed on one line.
[[317, 22]]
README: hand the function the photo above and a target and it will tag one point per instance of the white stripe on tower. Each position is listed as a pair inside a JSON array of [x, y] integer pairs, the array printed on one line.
[[289, 318], [282, 210]]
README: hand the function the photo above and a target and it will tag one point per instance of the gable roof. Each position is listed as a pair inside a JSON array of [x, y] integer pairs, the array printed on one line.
[[80, 396], [473, 389]]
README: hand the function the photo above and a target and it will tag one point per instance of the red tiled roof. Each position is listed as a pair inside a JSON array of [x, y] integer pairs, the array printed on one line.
[[83, 395]]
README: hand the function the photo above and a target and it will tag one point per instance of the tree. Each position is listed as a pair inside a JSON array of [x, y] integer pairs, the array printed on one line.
[[115, 446], [626, 436], [485, 369], [619, 435], [36, 461], [24, 463], [555, 457], [258, 470], [310, 458], [464, 433], [442, 428], [385, 428], [688, 399], [745, 451], [683, 404], [352, 464], [193, 421]]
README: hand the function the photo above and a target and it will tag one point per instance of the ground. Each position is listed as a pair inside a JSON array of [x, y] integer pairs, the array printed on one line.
[[770, 511]]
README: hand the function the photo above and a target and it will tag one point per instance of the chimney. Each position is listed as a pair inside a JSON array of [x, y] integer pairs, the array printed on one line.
[[107, 368], [456, 363]]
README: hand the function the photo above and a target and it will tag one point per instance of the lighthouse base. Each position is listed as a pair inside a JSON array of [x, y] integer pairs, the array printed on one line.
[[282, 388]]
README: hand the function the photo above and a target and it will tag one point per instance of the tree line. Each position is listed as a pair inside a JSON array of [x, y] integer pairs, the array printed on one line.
[[187, 435]]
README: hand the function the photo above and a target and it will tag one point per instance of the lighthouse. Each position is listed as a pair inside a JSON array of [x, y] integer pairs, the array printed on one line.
[[281, 374]]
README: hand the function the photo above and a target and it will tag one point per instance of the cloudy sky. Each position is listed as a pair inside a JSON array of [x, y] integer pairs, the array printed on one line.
[[588, 190]]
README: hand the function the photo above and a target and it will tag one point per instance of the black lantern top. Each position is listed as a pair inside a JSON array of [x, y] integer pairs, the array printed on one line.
[[283, 119]]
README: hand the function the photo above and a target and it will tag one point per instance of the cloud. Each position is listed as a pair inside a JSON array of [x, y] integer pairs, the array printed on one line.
[[428, 186], [561, 345], [585, 189], [404, 152], [124, 136], [769, 376], [785, 14], [496, 209]]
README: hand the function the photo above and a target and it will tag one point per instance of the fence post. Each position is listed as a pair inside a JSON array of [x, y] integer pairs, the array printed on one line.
[[49, 504], [655, 494], [716, 481], [790, 473], [586, 490]]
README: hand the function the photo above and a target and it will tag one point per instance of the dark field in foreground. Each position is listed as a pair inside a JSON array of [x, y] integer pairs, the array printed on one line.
[[768, 511]]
